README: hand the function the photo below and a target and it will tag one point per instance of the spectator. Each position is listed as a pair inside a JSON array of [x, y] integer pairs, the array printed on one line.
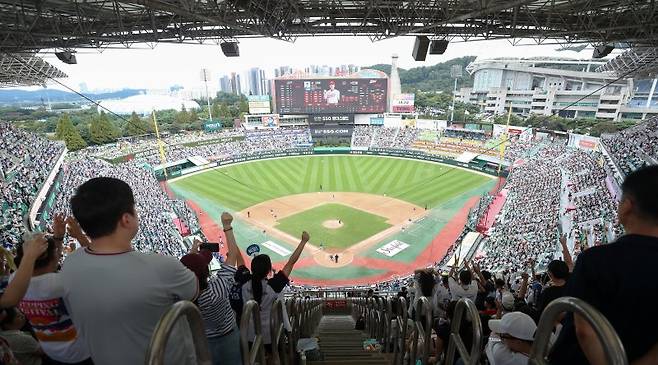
[[256, 286], [466, 288], [114, 292], [511, 339], [22, 344], [612, 279], [221, 329], [558, 271], [44, 308]]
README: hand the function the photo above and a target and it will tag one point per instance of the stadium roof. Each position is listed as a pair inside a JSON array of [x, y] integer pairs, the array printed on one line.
[[64, 24], [26, 70], [638, 62]]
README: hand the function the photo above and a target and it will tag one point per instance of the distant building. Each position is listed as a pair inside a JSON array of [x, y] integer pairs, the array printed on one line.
[[549, 86], [225, 84], [236, 87]]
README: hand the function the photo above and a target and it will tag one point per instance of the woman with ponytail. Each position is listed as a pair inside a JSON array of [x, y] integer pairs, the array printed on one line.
[[257, 286]]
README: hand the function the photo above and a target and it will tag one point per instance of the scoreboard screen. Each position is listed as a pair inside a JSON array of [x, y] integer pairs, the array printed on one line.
[[319, 96]]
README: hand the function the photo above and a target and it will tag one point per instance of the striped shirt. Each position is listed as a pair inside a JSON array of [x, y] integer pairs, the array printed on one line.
[[216, 311]]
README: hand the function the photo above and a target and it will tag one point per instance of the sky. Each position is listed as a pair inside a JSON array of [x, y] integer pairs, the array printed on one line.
[[180, 64]]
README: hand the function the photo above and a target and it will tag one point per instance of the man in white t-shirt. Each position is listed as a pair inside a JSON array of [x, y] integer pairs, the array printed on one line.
[[117, 295], [466, 288], [332, 96], [511, 339]]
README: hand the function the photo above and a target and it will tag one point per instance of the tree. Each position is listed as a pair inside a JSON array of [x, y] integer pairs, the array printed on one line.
[[193, 116], [244, 105], [136, 126], [66, 132], [216, 109], [101, 130]]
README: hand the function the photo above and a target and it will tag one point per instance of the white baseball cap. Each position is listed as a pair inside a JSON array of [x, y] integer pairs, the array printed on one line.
[[515, 324]]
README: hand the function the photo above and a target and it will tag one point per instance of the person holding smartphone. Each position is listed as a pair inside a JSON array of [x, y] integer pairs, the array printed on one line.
[[221, 328]]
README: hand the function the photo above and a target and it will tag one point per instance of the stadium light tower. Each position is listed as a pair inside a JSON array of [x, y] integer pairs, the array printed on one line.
[[455, 73], [205, 76]]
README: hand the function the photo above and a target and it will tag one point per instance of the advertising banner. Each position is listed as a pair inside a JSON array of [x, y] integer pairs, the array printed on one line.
[[259, 104], [213, 126], [403, 103], [319, 96], [331, 119], [324, 131], [584, 142], [270, 120]]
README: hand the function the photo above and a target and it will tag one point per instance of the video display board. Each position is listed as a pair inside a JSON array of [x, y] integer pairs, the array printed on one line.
[[320, 96]]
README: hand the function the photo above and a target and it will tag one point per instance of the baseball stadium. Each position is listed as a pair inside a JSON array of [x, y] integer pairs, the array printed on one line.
[[329, 214]]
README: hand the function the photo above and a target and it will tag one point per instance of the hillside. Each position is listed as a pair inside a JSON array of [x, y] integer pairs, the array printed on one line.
[[430, 78]]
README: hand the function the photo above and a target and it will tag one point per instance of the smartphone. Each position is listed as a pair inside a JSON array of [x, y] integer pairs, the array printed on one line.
[[210, 246]]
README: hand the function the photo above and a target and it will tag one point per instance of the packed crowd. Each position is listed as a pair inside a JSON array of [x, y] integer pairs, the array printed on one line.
[[528, 225], [511, 302], [269, 140], [26, 160], [54, 312], [157, 232], [131, 300], [634, 147], [362, 135]]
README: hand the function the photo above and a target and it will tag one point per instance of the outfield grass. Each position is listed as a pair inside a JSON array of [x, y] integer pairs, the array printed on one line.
[[240, 186], [357, 225]]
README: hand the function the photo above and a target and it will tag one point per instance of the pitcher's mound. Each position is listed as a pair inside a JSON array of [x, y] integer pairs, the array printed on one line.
[[332, 224]]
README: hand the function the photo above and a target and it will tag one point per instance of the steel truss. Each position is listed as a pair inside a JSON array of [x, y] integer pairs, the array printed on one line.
[[26, 70], [640, 62], [63, 24]]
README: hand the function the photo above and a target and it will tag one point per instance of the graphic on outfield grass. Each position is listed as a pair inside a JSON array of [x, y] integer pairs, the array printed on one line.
[[370, 218], [393, 248]]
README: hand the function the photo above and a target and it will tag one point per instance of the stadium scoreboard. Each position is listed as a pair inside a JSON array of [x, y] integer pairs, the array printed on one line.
[[331, 96]]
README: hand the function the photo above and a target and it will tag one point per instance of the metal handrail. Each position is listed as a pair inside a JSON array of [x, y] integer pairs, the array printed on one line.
[[155, 353], [456, 341], [293, 312], [401, 333], [251, 310], [612, 346], [277, 334], [388, 317], [422, 306]]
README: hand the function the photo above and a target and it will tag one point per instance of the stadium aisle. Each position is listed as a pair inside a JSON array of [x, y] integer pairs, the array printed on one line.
[[341, 344]]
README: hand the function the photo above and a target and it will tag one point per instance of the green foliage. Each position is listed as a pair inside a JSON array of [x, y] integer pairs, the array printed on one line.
[[66, 132], [101, 130], [431, 78], [136, 126]]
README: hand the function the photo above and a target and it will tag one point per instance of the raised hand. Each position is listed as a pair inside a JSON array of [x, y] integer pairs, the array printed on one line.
[[59, 226], [227, 219], [74, 228], [195, 246], [34, 247]]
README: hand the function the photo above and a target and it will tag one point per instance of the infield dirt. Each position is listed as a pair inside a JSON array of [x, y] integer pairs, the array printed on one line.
[[398, 213]]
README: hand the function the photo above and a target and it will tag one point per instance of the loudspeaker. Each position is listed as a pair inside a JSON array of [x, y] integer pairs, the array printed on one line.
[[420, 48], [66, 57], [602, 50], [230, 49], [438, 46]]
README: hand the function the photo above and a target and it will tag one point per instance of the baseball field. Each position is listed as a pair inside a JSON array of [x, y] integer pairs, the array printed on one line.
[[382, 216]]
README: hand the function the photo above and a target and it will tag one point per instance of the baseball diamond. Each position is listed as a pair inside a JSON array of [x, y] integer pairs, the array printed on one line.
[[351, 205]]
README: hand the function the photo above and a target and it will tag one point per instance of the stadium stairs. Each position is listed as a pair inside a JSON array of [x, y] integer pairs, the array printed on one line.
[[341, 344]]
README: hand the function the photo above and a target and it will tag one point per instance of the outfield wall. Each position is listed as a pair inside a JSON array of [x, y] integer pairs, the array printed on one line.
[[477, 165]]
